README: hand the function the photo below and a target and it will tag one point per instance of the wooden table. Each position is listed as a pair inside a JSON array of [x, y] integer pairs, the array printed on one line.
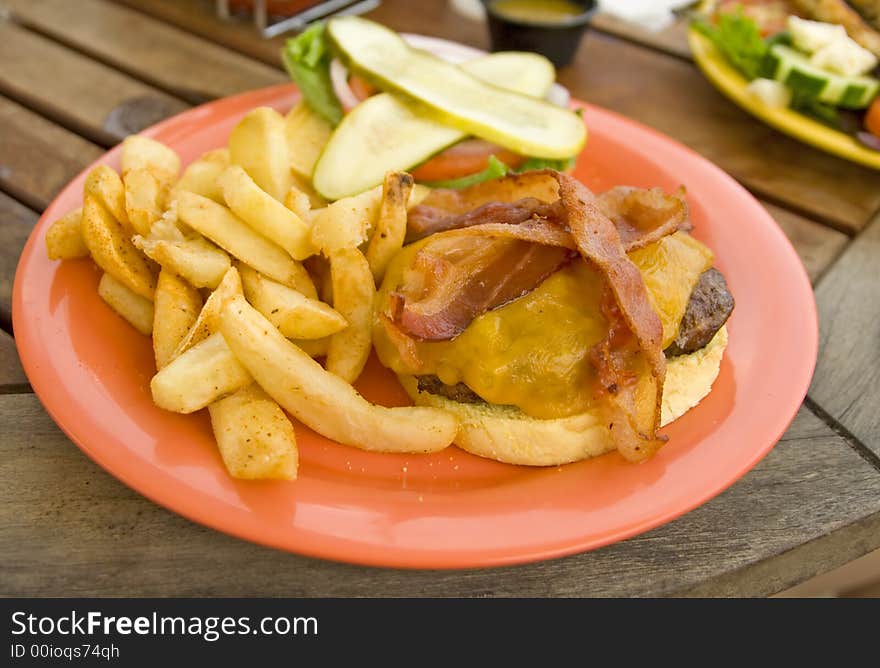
[[75, 77]]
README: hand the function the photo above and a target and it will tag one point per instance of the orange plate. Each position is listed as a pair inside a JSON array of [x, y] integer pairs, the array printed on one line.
[[92, 371]]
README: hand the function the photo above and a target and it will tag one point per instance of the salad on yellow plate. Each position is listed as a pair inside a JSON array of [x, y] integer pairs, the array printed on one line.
[[814, 80]]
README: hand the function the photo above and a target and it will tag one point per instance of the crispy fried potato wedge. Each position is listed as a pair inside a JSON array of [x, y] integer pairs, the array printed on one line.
[[64, 239], [201, 176], [137, 310], [346, 223], [176, 309], [111, 248], [200, 376], [208, 320], [265, 214], [104, 184], [297, 316], [307, 135], [353, 295], [314, 347], [255, 437], [144, 199], [322, 400], [139, 152], [200, 262], [390, 230], [233, 235], [298, 202], [259, 144], [304, 185]]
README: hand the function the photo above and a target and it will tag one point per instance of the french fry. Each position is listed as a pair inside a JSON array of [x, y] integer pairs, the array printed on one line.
[[232, 234], [264, 213], [259, 145], [208, 320], [201, 176], [176, 308], [104, 184], [198, 261], [322, 400], [390, 230], [297, 316], [144, 199], [307, 134], [314, 347], [255, 438], [135, 309], [111, 248], [353, 295], [298, 202], [200, 376], [346, 223], [139, 152], [64, 240]]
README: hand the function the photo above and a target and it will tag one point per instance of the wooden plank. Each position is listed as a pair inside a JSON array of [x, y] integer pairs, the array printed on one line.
[[12, 378], [673, 97], [79, 93], [198, 17], [187, 66], [671, 40], [60, 516], [17, 222], [37, 157], [816, 244], [847, 379]]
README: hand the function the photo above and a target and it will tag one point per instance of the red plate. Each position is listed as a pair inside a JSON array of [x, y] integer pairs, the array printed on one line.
[[92, 371]]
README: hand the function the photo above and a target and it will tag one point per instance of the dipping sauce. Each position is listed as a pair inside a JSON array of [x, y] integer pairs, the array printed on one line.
[[538, 11]]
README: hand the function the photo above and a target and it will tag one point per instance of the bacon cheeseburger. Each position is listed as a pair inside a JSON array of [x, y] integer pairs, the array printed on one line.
[[555, 324]]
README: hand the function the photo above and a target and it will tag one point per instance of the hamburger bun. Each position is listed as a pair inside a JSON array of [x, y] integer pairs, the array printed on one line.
[[506, 434]]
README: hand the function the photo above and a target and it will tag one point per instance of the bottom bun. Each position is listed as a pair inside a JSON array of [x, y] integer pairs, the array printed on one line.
[[507, 434]]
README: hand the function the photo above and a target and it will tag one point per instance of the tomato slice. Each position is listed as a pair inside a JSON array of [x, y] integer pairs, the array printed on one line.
[[466, 157], [872, 118]]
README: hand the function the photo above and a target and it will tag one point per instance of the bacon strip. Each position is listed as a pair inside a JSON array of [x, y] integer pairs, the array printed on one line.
[[425, 220], [456, 278], [643, 216], [618, 360]]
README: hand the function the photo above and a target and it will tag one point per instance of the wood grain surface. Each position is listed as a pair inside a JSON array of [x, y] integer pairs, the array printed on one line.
[[671, 39], [12, 378], [147, 49], [847, 378], [37, 157], [16, 223], [67, 528], [83, 95], [817, 245]]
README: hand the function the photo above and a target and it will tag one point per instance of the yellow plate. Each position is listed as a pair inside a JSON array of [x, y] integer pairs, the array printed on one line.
[[730, 82]]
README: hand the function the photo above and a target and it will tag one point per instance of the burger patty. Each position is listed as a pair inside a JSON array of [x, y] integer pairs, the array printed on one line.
[[709, 307]]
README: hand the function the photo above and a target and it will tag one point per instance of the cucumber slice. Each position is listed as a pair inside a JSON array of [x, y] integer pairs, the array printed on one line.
[[383, 133], [455, 97], [795, 70]]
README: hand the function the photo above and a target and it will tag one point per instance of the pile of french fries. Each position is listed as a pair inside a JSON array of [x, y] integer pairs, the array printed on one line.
[[243, 276]]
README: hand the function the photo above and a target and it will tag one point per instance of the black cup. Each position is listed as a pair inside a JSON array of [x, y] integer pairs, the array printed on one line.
[[558, 41]]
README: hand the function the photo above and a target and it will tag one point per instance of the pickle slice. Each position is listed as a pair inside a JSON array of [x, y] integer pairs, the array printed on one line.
[[384, 133], [455, 97]]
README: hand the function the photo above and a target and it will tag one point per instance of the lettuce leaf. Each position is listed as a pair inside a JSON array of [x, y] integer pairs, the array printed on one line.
[[560, 165], [307, 60], [738, 38]]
